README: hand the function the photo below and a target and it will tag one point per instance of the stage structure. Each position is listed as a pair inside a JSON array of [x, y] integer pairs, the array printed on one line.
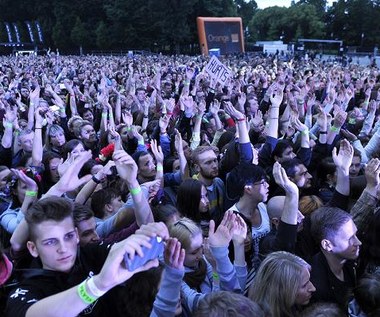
[[32, 39], [220, 36]]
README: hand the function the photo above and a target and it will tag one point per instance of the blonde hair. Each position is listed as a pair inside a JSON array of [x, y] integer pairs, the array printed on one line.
[[184, 230], [277, 282], [308, 204]]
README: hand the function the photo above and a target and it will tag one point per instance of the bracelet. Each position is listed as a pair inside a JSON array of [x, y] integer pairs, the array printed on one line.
[[135, 191], [84, 296], [334, 129], [93, 288], [273, 118], [322, 132], [241, 119], [38, 128], [159, 168], [145, 116], [97, 181], [30, 193], [8, 125]]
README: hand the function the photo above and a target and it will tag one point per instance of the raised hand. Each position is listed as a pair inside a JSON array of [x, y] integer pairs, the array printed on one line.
[[127, 118], [22, 177], [282, 179], [233, 112], [214, 107], [70, 180], [126, 166], [242, 98], [223, 234], [343, 159], [276, 97], [371, 172], [239, 234], [157, 152], [178, 143], [174, 255]]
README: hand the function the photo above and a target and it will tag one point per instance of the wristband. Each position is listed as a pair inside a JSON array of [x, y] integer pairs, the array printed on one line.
[[240, 120], [94, 290], [141, 142], [334, 129], [129, 129], [305, 132], [30, 193], [104, 115], [145, 116], [8, 125], [351, 121], [84, 296], [159, 168], [322, 132], [97, 181], [135, 191], [38, 128]]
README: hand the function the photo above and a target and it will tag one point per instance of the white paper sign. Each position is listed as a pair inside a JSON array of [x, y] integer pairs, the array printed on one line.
[[217, 70]]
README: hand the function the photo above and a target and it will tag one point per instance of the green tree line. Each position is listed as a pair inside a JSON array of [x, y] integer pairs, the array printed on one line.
[[171, 24]]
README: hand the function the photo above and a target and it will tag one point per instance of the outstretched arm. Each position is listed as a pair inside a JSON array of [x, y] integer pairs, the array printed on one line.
[[113, 273]]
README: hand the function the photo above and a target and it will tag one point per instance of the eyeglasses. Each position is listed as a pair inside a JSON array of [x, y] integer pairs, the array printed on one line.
[[262, 182]]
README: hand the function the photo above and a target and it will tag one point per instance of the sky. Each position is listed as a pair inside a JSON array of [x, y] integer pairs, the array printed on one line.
[[262, 4]]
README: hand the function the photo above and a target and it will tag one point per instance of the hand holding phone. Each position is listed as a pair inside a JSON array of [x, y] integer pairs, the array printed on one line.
[[154, 252]]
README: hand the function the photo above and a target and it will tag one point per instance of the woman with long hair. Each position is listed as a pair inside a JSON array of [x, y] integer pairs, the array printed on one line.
[[192, 202], [283, 284]]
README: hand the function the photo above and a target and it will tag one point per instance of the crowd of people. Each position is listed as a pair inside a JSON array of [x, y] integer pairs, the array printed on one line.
[[264, 189]]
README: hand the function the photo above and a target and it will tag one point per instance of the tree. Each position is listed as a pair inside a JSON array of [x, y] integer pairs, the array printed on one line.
[[102, 36], [246, 10], [348, 20], [268, 24]]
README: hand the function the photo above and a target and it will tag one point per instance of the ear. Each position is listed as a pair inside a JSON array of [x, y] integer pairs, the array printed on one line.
[[247, 189], [326, 245], [196, 168], [32, 249], [108, 208], [275, 222]]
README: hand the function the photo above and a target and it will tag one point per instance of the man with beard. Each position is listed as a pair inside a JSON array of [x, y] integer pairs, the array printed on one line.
[[206, 166], [87, 134]]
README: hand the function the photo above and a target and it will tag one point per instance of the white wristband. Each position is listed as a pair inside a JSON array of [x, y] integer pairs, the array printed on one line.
[[93, 288]]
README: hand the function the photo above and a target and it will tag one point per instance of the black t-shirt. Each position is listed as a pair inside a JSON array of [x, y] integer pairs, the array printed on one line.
[[39, 283]]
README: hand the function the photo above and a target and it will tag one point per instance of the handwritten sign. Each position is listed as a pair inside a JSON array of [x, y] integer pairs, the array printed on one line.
[[217, 70]]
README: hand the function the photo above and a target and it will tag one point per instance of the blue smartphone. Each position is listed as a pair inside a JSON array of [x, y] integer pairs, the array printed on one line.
[[154, 252]]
